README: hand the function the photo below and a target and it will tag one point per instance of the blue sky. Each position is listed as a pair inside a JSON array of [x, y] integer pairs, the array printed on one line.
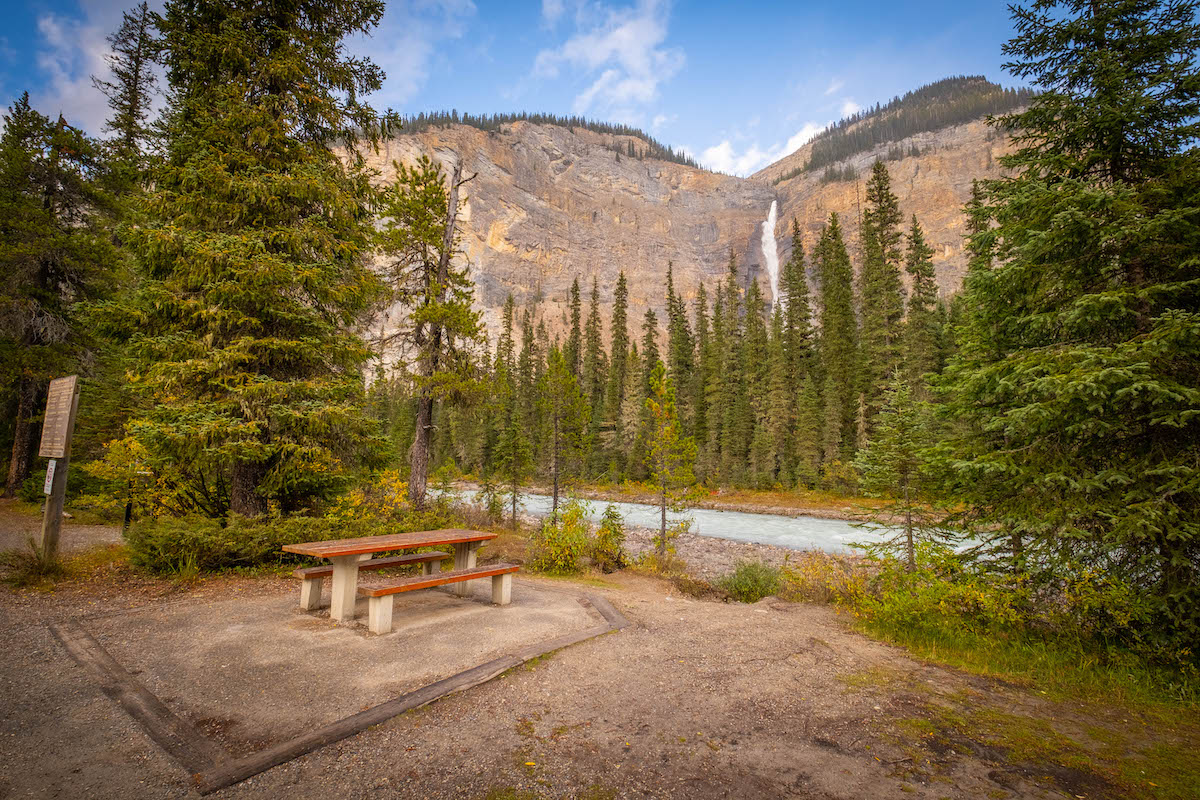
[[737, 85]]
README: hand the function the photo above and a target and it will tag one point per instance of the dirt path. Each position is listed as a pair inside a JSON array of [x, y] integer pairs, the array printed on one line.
[[18, 527], [694, 699]]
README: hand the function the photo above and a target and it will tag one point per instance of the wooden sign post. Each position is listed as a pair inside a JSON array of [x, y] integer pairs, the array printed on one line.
[[61, 405]]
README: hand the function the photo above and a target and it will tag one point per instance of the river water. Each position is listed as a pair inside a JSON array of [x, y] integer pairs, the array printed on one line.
[[797, 533]]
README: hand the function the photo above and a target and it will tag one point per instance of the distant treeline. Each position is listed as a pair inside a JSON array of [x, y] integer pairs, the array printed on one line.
[[951, 101], [493, 122]]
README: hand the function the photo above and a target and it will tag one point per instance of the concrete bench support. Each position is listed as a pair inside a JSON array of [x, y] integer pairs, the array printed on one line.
[[310, 593], [379, 614], [502, 589]]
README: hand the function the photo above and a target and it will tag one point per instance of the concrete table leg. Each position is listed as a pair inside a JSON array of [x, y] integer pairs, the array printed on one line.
[[345, 588], [464, 558]]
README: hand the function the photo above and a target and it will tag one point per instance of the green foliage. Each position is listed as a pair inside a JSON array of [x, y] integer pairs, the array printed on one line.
[[252, 247], [751, 581], [561, 542], [670, 454], [1073, 400], [838, 343], [608, 547]]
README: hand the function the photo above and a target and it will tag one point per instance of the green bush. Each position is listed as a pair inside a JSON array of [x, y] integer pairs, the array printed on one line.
[[560, 544], [30, 489], [751, 581], [608, 548], [191, 545]]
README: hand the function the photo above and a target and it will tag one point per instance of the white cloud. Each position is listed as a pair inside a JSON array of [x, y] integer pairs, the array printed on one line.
[[552, 10], [407, 40], [662, 119], [724, 158], [835, 85], [69, 53], [621, 50], [849, 107]]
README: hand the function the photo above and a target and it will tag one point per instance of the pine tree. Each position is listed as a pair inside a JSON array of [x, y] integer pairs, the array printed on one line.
[[807, 438], [780, 404], [670, 453], [650, 354], [618, 365], [56, 255], [797, 327], [254, 250], [594, 361], [506, 344], [894, 466], [838, 346], [702, 377], [737, 425], [681, 350], [568, 416], [514, 454], [921, 327], [714, 370], [881, 292], [1077, 382], [573, 351], [753, 405], [130, 93], [441, 333]]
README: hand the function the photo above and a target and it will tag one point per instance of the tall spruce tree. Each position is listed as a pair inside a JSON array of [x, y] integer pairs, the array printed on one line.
[[839, 343], [702, 377], [56, 256], [573, 351], [681, 351], [618, 366], [670, 453], [880, 291], [922, 326], [797, 317], [440, 334], [568, 416], [254, 250], [1077, 381], [133, 84]]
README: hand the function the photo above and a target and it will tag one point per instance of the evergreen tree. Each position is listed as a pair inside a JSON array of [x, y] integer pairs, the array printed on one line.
[[254, 250], [441, 333], [618, 366], [797, 321], [594, 361], [681, 350], [130, 93], [893, 466], [1077, 381], [568, 415], [737, 424], [514, 454], [573, 351], [56, 255], [670, 453], [807, 440], [838, 343], [650, 354], [880, 291], [780, 404], [702, 377], [752, 411], [922, 326]]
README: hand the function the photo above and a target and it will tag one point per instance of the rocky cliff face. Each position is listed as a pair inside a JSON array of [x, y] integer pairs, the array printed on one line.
[[933, 185], [549, 204]]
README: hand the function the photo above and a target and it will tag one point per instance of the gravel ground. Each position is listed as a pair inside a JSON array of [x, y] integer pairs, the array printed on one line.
[[694, 700]]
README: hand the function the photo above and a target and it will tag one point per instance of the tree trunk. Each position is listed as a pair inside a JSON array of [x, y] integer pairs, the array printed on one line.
[[245, 498], [908, 531], [418, 454], [418, 478], [554, 506], [25, 434], [662, 525]]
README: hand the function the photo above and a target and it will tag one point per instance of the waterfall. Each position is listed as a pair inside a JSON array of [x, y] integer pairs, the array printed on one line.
[[770, 252]]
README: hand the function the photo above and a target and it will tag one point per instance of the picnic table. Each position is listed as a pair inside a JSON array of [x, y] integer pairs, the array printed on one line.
[[346, 557]]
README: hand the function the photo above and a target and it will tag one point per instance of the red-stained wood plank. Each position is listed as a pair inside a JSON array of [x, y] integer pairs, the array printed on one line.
[[395, 541]]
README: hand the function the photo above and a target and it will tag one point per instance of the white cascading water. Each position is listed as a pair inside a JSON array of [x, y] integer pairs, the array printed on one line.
[[770, 253]]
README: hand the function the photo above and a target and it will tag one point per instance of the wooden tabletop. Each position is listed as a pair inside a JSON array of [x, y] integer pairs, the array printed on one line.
[[395, 541]]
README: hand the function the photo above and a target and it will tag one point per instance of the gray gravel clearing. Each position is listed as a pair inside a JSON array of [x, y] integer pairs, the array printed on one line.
[[693, 700]]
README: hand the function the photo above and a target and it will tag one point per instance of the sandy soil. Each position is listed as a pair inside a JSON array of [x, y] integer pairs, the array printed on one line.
[[693, 700]]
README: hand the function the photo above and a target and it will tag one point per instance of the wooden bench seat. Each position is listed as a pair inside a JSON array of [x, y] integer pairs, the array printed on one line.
[[381, 594], [310, 589]]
